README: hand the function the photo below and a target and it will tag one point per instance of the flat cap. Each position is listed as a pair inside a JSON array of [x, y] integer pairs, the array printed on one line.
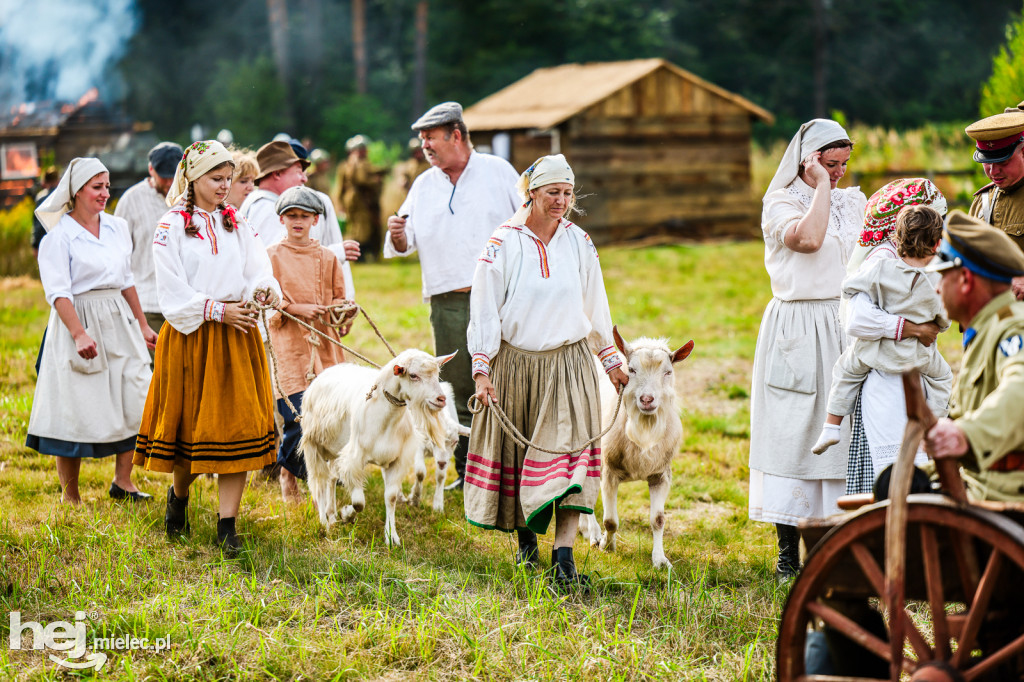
[[165, 157], [972, 243], [439, 115], [301, 197], [275, 156], [997, 136]]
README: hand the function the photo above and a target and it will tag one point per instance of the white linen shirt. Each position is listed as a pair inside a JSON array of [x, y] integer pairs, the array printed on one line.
[[810, 276], [72, 261], [190, 276], [449, 224], [142, 207], [539, 297], [259, 209]]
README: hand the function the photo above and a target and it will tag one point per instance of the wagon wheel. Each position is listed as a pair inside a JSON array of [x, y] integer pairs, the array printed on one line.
[[844, 573], [964, 572]]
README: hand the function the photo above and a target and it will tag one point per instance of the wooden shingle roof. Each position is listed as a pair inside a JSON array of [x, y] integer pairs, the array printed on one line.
[[550, 96]]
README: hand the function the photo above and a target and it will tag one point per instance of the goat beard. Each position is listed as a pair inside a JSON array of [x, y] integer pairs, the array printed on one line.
[[646, 430], [429, 423]]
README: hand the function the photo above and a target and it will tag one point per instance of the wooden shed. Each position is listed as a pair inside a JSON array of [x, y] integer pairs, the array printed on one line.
[[656, 150]]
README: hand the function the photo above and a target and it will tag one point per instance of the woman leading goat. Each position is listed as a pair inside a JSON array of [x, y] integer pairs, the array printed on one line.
[[538, 309]]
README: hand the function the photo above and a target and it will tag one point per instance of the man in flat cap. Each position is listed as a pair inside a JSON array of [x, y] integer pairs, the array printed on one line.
[[986, 409], [451, 211], [999, 143], [282, 168], [142, 205]]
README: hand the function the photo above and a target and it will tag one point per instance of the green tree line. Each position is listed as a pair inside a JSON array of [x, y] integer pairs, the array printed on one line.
[[895, 63]]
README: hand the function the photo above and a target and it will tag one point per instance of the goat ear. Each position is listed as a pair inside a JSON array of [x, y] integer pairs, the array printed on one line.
[[619, 343], [464, 431], [399, 370], [442, 359], [683, 352]]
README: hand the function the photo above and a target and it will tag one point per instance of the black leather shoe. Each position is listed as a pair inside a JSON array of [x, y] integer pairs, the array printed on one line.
[[176, 516], [119, 493], [456, 484], [564, 577], [529, 554], [227, 538]]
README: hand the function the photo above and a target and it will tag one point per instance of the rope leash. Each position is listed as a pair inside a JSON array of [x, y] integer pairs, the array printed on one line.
[[338, 314], [475, 406]]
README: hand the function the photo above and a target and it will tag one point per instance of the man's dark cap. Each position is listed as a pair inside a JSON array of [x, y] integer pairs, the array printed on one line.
[[165, 157]]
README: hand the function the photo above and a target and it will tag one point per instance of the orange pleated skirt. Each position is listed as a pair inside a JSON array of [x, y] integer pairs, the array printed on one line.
[[210, 406]]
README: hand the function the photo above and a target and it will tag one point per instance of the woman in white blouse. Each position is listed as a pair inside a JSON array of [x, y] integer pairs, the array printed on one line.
[[94, 369], [810, 230], [210, 407], [538, 309]]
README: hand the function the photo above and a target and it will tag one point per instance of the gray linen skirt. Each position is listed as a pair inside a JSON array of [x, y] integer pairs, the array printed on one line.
[[553, 399], [87, 408]]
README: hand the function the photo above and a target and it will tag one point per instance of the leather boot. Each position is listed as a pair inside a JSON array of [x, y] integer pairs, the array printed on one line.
[[227, 538], [176, 516], [529, 554], [789, 552], [564, 577]]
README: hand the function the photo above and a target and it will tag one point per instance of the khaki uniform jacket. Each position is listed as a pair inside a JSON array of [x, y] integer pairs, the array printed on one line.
[[988, 398], [358, 190], [1007, 209]]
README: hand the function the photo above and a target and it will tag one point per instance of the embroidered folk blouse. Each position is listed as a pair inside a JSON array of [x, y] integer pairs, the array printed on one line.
[[194, 275], [72, 261], [539, 297]]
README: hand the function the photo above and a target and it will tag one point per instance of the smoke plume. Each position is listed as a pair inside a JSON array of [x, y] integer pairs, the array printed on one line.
[[58, 49]]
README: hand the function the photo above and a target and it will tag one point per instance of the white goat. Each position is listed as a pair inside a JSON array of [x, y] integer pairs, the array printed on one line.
[[353, 416], [645, 436], [441, 456]]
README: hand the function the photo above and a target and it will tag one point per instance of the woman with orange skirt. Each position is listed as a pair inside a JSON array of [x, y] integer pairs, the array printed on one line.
[[210, 405]]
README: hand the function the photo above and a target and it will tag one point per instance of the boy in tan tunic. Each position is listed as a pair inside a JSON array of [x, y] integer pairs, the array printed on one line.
[[311, 282]]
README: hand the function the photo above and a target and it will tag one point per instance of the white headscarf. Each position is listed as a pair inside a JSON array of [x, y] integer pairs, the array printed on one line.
[[197, 160], [811, 137], [60, 200], [546, 170]]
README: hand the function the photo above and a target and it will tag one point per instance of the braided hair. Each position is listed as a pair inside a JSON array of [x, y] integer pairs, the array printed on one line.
[[191, 229], [230, 219]]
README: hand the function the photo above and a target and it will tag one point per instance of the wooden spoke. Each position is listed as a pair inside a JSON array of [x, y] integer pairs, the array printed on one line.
[[997, 658], [979, 608], [873, 572], [966, 564], [851, 629], [936, 598]]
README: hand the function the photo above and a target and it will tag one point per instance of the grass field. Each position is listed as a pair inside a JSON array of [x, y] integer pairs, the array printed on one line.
[[449, 604]]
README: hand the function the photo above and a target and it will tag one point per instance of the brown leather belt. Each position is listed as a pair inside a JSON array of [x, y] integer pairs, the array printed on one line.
[[1011, 461]]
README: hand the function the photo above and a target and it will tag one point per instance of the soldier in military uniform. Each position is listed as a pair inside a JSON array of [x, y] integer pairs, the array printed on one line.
[[1000, 150], [357, 192], [986, 424]]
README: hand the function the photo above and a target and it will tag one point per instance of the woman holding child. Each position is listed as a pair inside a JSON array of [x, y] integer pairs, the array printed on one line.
[[810, 229], [879, 416], [210, 406], [538, 314], [95, 351]]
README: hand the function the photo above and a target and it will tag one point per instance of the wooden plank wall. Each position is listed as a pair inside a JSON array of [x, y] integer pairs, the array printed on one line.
[[663, 156]]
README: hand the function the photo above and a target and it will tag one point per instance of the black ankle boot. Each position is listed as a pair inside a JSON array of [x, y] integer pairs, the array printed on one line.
[[176, 516], [789, 552], [564, 577], [226, 536], [528, 554]]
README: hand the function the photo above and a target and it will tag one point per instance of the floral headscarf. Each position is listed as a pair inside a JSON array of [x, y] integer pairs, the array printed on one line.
[[884, 205], [197, 160]]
